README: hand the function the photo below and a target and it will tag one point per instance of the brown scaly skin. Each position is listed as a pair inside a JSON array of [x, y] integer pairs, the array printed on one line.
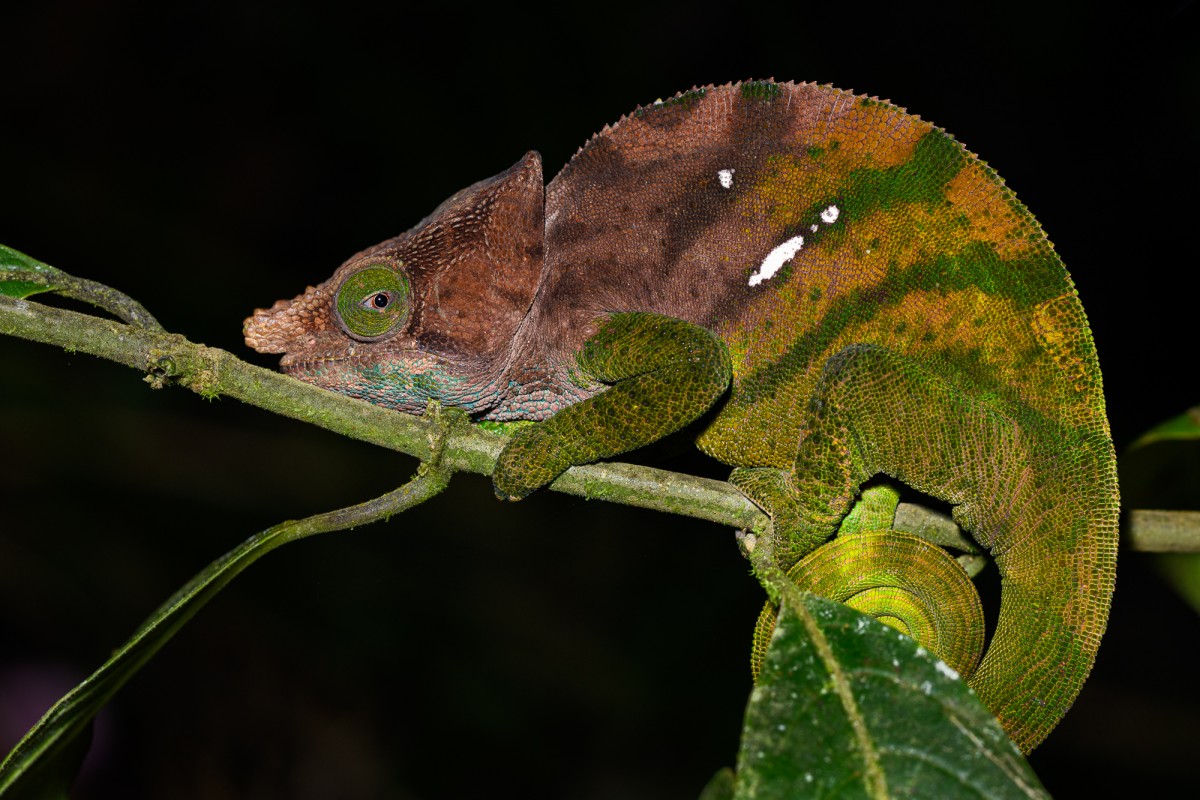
[[456, 342], [871, 296]]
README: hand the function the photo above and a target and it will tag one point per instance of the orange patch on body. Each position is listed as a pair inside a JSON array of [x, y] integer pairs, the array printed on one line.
[[983, 335], [992, 210], [876, 135]]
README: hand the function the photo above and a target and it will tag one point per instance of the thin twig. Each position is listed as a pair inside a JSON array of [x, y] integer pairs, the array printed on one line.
[[1151, 531]]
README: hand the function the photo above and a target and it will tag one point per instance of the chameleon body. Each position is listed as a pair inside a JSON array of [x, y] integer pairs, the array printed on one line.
[[855, 293]]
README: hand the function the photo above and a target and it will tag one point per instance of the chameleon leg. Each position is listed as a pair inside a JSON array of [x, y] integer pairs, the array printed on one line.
[[874, 510], [1039, 495], [664, 373]]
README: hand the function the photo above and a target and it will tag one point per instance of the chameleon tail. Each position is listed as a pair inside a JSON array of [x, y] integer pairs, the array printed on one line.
[[1057, 557], [1040, 496]]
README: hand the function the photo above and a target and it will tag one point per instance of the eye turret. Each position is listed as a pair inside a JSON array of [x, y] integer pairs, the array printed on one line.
[[372, 303]]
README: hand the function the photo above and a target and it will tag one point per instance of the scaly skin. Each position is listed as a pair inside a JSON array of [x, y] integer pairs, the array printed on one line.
[[870, 571], [875, 298]]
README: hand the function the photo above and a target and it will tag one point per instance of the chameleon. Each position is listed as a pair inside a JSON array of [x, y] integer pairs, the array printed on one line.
[[837, 288]]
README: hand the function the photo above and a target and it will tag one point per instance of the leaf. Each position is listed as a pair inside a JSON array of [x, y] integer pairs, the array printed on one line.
[[51, 778], [15, 261], [21, 289], [22, 276], [1185, 426], [48, 756], [720, 787], [1161, 470], [1182, 571], [848, 707]]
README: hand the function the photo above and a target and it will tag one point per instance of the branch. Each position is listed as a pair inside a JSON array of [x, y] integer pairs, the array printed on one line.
[[1151, 531], [211, 372], [21, 276]]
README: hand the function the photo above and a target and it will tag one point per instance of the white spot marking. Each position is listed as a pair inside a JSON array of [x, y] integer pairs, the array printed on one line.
[[830, 215], [812, 228], [946, 670], [921, 652], [776, 259], [927, 687], [725, 176]]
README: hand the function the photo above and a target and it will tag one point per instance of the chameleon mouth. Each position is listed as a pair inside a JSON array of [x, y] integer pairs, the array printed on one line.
[[388, 380], [292, 363], [309, 362]]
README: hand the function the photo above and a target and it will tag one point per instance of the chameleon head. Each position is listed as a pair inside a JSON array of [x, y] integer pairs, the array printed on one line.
[[430, 314]]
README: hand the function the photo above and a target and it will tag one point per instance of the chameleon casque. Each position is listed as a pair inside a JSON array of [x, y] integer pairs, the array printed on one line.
[[856, 292]]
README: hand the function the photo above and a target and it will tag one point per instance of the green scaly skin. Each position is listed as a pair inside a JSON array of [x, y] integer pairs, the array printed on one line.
[[664, 373], [852, 290]]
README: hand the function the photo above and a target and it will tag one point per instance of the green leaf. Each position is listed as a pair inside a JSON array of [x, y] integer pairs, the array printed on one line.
[[48, 754], [22, 276], [1182, 571], [20, 289], [1185, 426], [1161, 470], [46, 759], [15, 261], [51, 778], [848, 707], [721, 786]]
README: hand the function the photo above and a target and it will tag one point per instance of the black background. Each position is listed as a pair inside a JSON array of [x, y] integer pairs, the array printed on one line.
[[211, 160]]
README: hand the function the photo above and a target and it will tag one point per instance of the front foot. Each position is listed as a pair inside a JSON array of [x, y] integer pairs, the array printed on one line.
[[663, 373], [533, 457]]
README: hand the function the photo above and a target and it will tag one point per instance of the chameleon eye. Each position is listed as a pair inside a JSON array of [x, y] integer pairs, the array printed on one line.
[[372, 302]]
